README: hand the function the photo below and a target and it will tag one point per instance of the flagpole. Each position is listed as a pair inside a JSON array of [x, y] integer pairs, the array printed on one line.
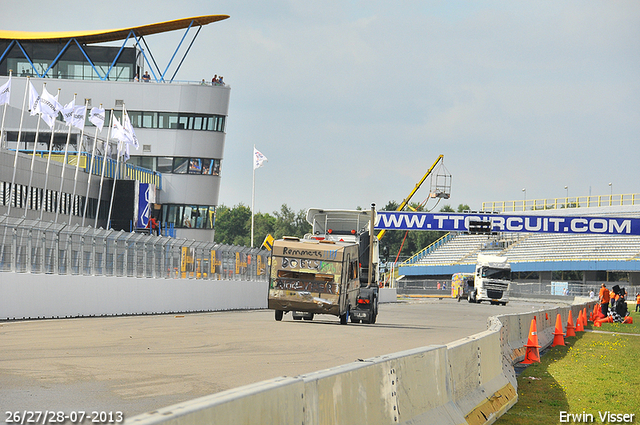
[[4, 112], [46, 173], [4, 236], [253, 193], [64, 164], [115, 179], [33, 159], [93, 154], [15, 159], [78, 151], [104, 165]]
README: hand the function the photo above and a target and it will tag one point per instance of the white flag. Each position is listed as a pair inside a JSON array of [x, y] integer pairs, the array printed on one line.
[[49, 104], [129, 132], [5, 92], [123, 150], [34, 100], [79, 113], [117, 131], [49, 107], [97, 117], [67, 111], [258, 158]]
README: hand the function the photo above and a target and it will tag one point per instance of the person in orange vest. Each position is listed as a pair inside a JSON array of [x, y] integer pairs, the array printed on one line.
[[637, 302], [154, 226], [604, 300]]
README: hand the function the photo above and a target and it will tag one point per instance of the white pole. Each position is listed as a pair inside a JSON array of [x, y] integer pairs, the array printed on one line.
[[104, 165], [78, 151], [115, 179], [253, 194], [93, 154], [46, 173], [4, 113], [15, 159], [33, 158], [64, 164]]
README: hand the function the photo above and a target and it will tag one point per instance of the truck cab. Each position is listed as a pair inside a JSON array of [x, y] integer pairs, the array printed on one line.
[[491, 280]]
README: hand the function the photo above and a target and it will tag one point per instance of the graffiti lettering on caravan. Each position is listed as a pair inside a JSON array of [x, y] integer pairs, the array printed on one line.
[[508, 223]]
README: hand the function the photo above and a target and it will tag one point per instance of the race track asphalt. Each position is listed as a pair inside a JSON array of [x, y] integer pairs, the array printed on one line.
[[137, 364]]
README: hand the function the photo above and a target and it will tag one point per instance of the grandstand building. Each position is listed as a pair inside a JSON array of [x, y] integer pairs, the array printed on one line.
[[582, 261], [181, 128]]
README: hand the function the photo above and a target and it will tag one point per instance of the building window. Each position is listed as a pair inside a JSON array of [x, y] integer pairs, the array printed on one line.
[[174, 120], [178, 165], [188, 216], [165, 164]]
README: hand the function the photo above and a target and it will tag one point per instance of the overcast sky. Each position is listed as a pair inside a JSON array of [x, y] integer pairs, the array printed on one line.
[[351, 102]]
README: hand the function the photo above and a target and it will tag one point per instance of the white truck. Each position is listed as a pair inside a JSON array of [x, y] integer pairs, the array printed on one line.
[[491, 280]]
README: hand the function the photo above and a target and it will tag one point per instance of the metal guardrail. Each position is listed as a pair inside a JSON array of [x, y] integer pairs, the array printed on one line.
[[561, 203], [133, 172], [427, 250], [30, 246]]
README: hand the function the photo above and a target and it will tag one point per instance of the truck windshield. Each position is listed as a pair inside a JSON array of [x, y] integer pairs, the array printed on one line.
[[491, 273]]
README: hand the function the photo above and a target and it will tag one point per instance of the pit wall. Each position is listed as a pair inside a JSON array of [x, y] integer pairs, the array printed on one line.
[[38, 296], [469, 381], [33, 296]]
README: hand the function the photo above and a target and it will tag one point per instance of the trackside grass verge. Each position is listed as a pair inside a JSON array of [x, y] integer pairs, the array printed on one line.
[[592, 374]]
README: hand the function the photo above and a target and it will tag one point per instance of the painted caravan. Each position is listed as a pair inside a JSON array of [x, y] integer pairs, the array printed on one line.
[[309, 277]]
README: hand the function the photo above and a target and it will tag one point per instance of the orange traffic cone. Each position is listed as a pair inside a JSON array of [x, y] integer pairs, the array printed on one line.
[[579, 326], [546, 316], [570, 327], [584, 317], [558, 335], [607, 319], [599, 314], [628, 320], [532, 354]]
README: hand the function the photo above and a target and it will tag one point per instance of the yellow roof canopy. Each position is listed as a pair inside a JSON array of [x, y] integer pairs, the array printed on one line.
[[102, 36]]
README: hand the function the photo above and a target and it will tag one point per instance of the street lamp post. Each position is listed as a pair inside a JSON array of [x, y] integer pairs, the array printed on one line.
[[524, 204], [566, 201], [610, 193]]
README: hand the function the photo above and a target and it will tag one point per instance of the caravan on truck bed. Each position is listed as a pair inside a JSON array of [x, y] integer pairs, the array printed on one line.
[[310, 276]]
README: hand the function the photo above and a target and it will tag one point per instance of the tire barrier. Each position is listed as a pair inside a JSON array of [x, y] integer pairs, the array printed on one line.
[[471, 381]]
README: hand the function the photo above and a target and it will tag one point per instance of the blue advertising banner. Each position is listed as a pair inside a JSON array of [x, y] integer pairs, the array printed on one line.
[[145, 199], [450, 222]]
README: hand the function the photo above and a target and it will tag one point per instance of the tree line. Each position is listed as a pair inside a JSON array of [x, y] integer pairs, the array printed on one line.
[[233, 227]]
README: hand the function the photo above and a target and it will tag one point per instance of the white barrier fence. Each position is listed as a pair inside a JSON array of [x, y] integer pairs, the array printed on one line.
[[34, 296], [471, 380]]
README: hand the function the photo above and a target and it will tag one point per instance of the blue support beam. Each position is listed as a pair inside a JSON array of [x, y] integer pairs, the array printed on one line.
[[88, 59], [177, 48], [53, 63], [185, 54]]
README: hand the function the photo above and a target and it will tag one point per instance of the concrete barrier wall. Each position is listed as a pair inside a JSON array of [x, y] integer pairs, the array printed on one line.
[[471, 380], [33, 296], [24, 295]]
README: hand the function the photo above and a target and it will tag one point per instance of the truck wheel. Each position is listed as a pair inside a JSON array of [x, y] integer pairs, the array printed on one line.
[[471, 297], [309, 317], [354, 320], [374, 313], [344, 318], [279, 314]]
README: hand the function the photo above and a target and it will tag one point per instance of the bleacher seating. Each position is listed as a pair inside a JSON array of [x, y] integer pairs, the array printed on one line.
[[534, 247]]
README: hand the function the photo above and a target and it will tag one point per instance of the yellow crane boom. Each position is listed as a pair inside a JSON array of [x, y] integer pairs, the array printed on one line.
[[415, 189]]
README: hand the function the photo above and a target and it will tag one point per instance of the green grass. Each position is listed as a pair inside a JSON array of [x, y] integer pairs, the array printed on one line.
[[593, 372]]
